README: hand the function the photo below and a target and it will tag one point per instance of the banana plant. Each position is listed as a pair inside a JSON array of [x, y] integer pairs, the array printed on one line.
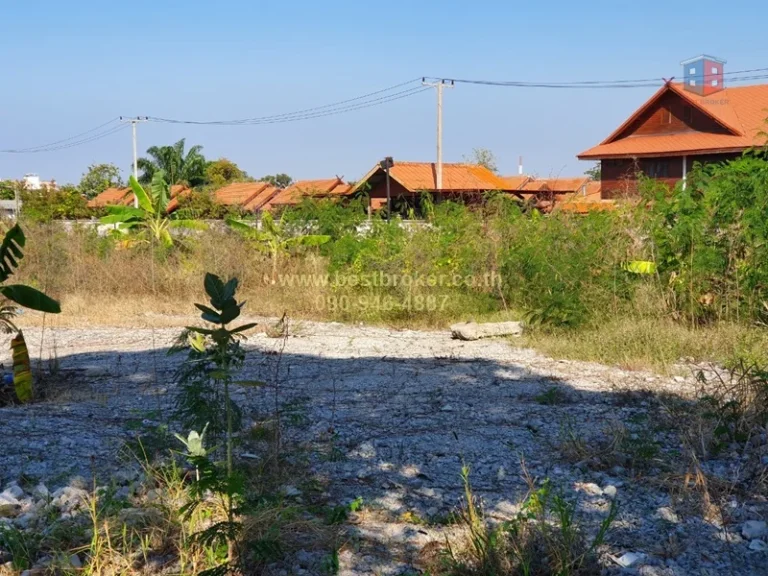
[[149, 220], [274, 238], [11, 252]]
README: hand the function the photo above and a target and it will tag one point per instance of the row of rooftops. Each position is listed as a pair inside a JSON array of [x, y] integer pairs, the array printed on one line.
[[413, 177]]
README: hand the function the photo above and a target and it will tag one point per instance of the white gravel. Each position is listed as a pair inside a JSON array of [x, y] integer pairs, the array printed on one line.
[[398, 412]]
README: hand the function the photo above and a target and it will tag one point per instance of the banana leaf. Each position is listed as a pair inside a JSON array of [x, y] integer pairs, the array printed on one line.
[[640, 267], [22, 373], [30, 298], [144, 202], [10, 251]]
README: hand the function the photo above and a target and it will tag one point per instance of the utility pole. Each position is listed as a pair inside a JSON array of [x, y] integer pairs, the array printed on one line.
[[133, 122], [440, 84], [387, 163]]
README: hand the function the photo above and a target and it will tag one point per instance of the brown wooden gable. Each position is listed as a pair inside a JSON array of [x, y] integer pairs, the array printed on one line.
[[670, 114]]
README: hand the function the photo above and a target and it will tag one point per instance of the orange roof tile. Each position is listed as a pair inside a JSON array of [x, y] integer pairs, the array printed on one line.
[[567, 185], [239, 193], [258, 201], [312, 188], [535, 186], [422, 176], [741, 110], [177, 192], [125, 197], [516, 182], [110, 197]]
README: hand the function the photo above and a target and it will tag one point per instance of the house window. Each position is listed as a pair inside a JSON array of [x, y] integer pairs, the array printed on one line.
[[714, 70], [692, 71], [714, 82], [657, 169], [693, 82]]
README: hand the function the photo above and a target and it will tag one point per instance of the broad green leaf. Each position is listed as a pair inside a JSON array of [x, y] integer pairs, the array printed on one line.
[[244, 327], [115, 218], [268, 224], [640, 267], [160, 192], [230, 288], [230, 312], [30, 298], [22, 373], [209, 314], [165, 238], [239, 226], [214, 287], [126, 210], [10, 251], [196, 342], [144, 202]]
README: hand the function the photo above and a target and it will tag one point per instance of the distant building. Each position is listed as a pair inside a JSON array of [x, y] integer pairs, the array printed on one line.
[[33, 182], [677, 127]]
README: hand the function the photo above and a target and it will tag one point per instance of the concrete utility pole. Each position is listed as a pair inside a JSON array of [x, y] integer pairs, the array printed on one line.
[[440, 84], [133, 122]]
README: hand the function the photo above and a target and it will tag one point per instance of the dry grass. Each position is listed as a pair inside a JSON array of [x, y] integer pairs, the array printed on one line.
[[100, 284], [657, 343]]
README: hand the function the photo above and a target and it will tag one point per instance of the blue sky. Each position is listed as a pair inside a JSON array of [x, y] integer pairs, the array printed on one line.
[[70, 66]]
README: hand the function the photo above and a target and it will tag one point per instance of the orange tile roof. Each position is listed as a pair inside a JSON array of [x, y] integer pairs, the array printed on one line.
[[567, 185], [110, 197], [516, 182], [590, 201], [741, 110], [258, 201], [312, 188], [239, 193], [125, 197], [422, 176], [535, 186]]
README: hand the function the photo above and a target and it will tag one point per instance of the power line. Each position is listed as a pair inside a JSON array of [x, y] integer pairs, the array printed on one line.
[[598, 84], [64, 142], [76, 143], [384, 96]]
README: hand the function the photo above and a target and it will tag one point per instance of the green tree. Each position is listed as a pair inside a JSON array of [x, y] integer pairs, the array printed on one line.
[[178, 167], [8, 189], [149, 220], [201, 204], [277, 180], [11, 252], [98, 178], [275, 238], [594, 172], [49, 204], [221, 172], [483, 157]]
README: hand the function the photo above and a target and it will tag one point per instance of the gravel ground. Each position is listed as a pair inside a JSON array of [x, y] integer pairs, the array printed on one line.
[[390, 416]]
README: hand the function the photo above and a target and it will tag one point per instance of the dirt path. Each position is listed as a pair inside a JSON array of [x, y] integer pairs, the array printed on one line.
[[390, 416]]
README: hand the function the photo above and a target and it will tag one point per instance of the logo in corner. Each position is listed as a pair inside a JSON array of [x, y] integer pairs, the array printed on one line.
[[703, 75]]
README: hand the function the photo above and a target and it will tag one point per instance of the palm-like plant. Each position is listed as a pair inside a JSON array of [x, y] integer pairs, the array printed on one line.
[[274, 238], [10, 254], [180, 168], [149, 220]]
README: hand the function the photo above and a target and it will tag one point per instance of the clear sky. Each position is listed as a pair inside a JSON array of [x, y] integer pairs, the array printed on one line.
[[70, 66]]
